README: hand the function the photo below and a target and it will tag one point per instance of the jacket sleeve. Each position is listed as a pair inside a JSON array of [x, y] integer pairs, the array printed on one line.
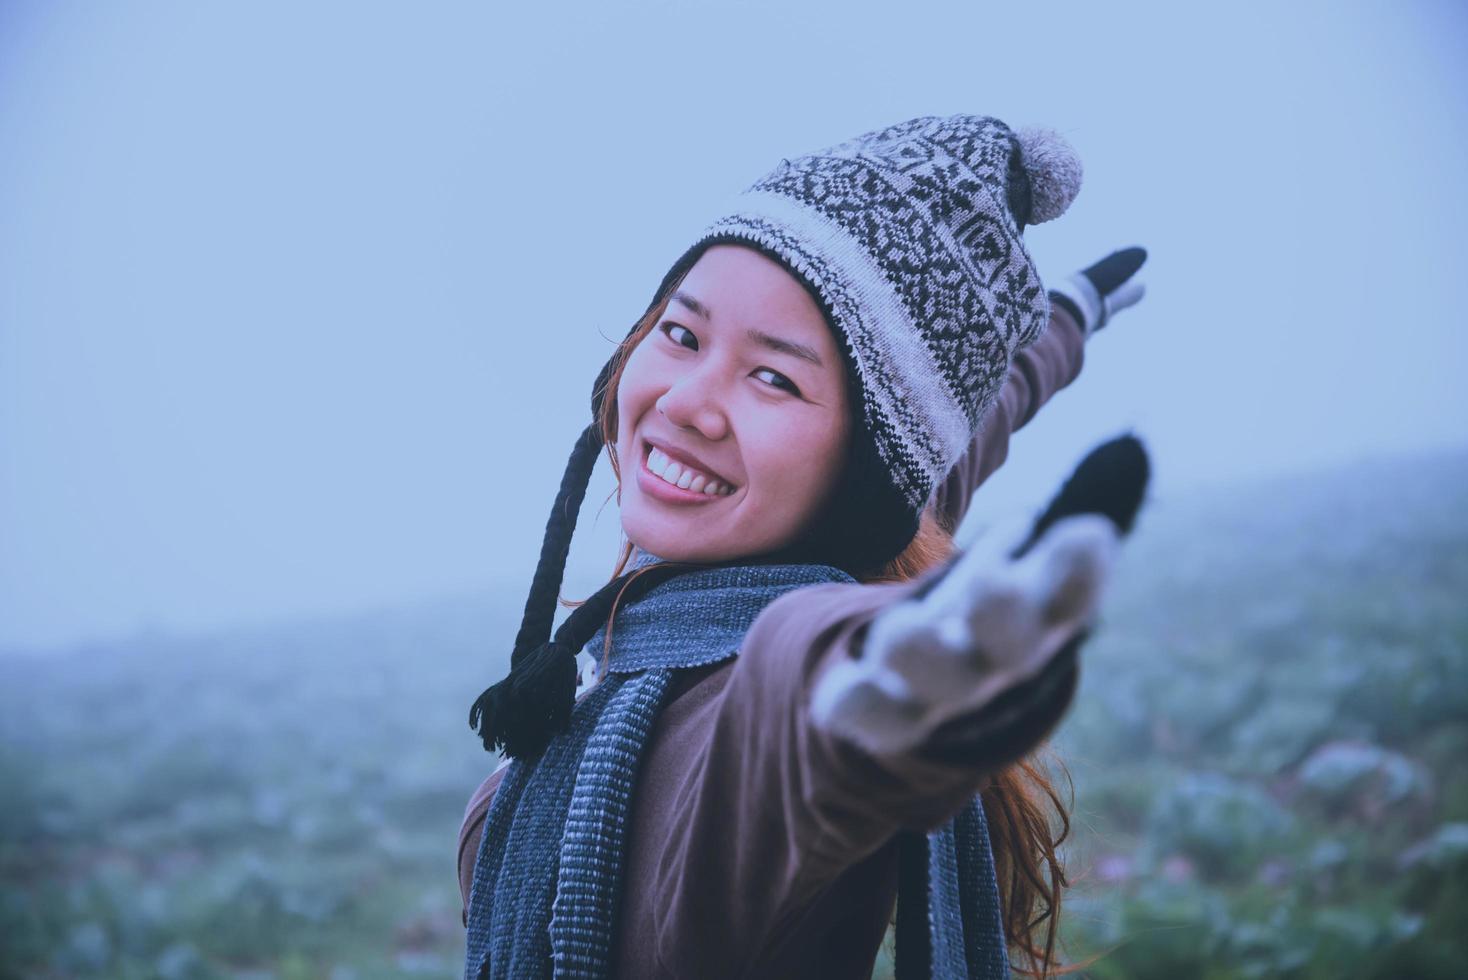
[[471, 830], [775, 809], [1053, 361]]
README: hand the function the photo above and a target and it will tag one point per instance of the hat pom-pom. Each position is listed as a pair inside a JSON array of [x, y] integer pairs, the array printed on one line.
[[1054, 170]]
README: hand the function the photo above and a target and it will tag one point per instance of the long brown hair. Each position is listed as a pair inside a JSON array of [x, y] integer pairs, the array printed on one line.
[[1018, 799]]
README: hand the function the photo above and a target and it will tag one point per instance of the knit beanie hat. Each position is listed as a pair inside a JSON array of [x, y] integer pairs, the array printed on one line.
[[908, 238]]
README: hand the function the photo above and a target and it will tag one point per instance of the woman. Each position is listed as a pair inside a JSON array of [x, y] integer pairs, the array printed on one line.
[[806, 706]]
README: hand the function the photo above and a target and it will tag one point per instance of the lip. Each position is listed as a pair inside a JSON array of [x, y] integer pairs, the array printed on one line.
[[659, 489]]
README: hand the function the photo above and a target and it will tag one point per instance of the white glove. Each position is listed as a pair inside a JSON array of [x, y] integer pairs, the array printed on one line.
[[988, 623], [1101, 290]]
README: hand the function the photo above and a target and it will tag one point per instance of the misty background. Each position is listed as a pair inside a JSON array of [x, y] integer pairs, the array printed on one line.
[[301, 305]]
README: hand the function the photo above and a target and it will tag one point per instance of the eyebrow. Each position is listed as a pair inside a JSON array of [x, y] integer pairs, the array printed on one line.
[[770, 341]]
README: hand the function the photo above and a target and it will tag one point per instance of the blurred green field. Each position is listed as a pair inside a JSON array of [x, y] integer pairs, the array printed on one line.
[[1268, 753], [1270, 737]]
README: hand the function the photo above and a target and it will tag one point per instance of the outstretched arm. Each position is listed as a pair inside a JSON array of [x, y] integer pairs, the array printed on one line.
[[929, 670], [1036, 373], [807, 763], [1080, 305]]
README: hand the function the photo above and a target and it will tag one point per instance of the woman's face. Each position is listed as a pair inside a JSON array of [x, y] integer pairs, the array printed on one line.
[[741, 385]]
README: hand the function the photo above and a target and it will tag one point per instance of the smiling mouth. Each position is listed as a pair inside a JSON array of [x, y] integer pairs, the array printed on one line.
[[698, 494]]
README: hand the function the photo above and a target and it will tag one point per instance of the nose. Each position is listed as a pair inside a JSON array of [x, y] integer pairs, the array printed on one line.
[[693, 401]]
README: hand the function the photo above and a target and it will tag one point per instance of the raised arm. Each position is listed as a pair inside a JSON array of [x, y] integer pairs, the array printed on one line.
[[1036, 373], [1080, 305]]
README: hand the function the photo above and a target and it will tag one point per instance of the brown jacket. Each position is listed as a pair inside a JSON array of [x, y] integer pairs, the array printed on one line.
[[760, 845]]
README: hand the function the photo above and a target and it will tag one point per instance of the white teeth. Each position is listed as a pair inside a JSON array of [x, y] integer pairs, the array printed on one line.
[[681, 476]]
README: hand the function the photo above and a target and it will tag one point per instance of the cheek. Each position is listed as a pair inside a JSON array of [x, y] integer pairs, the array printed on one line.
[[798, 461], [635, 395], [827, 453]]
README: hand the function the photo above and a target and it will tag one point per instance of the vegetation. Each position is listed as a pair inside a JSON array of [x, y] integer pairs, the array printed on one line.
[[1269, 739]]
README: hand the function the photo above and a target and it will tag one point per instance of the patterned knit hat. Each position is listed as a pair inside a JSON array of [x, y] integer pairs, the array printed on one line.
[[908, 238]]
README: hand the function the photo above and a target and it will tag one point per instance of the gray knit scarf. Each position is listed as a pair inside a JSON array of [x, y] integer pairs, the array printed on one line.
[[545, 893]]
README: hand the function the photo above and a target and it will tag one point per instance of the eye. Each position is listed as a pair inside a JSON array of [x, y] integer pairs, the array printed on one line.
[[666, 327], [781, 382]]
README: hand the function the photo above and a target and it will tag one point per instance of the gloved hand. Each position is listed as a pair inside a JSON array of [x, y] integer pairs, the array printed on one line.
[[1097, 292], [993, 618]]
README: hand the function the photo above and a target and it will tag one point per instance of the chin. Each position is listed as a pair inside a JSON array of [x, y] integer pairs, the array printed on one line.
[[670, 547], [653, 536], [671, 544]]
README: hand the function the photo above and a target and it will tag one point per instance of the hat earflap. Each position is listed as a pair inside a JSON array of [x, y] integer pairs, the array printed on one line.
[[535, 699], [532, 704]]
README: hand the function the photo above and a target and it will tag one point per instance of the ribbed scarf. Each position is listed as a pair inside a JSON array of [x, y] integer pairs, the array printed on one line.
[[546, 890]]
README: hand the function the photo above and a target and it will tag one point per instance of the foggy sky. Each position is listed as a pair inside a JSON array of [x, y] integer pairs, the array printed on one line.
[[301, 305]]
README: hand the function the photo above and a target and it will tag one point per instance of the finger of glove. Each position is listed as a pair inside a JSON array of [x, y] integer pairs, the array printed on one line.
[[993, 622], [1115, 268], [1059, 585], [989, 615], [1019, 613], [986, 585], [924, 651], [942, 645], [1128, 295], [860, 704], [923, 665], [979, 574], [1067, 570]]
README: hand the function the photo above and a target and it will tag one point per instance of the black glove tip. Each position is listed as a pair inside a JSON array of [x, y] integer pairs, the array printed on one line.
[[1111, 480], [1115, 269]]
